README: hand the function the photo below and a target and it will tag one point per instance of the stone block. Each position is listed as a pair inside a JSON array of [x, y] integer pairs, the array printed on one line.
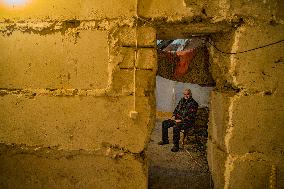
[[258, 125], [73, 123], [145, 36], [54, 60], [123, 81], [146, 58], [216, 158], [173, 9], [261, 69], [99, 9], [221, 63], [195, 10], [219, 117], [280, 8], [25, 167], [259, 9], [249, 174]]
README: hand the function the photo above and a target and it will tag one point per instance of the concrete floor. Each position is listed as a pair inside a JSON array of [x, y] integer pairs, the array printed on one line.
[[187, 168]]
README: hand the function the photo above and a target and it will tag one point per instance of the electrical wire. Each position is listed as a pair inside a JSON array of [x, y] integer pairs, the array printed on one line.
[[228, 52], [245, 50], [273, 177], [135, 57]]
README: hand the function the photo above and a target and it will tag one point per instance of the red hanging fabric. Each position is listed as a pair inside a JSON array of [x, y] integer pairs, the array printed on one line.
[[167, 63], [185, 58]]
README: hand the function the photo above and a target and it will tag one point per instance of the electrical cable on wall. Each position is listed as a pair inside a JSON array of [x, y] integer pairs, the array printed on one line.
[[135, 54], [273, 178], [270, 44], [133, 114]]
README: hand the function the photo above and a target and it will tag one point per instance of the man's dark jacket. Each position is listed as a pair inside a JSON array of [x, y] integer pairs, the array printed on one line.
[[186, 110]]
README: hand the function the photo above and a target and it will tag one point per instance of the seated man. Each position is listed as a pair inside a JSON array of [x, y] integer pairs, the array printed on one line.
[[182, 119]]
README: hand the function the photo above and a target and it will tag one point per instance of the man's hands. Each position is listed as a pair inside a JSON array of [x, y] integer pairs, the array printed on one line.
[[174, 118]]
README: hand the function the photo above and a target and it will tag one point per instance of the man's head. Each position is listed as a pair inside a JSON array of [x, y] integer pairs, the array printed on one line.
[[186, 94]]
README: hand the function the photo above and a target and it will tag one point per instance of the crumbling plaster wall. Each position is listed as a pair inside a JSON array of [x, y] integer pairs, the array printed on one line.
[[66, 79], [246, 140], [67, 87]]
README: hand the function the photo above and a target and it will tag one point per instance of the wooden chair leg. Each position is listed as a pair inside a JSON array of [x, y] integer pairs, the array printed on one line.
[[183, 137]]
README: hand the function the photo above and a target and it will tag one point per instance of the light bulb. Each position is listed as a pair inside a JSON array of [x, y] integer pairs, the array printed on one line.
[[15, 2]]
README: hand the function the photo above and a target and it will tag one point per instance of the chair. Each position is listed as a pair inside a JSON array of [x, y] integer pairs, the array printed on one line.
[[185, 134]]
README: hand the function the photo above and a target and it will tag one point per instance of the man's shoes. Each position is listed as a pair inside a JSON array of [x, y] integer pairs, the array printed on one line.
[[163, 142], [175, 149]]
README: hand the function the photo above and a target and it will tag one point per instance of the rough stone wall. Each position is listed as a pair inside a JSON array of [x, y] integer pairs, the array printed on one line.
[[245, 143], [245, 146], [66, 79], [247, 137], [67, 88]]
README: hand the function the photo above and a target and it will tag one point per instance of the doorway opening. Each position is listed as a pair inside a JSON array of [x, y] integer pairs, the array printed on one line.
[[182, 64]]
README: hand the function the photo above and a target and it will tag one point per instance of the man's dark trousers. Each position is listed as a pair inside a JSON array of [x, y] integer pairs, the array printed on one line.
[[177, 127]]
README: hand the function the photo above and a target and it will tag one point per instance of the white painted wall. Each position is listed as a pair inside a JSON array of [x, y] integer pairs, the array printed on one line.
[[169, 92]]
